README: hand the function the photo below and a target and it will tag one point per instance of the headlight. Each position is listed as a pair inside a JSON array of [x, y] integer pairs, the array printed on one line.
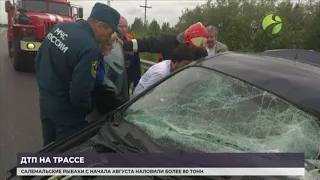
[[30, 46]]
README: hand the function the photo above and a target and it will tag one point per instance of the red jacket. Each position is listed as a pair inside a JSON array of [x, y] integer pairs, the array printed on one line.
[[160, 58], [129, 36]]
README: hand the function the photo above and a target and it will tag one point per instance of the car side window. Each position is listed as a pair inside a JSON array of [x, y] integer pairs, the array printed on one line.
[[204, 110], [115, 69]]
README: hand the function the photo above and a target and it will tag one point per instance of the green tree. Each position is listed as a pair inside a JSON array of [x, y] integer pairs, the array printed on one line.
[[165, 27], [154, 28], [137, 25], [239, 24]]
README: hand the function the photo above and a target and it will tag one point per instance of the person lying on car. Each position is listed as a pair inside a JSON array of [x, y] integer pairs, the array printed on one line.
[[181, 56]]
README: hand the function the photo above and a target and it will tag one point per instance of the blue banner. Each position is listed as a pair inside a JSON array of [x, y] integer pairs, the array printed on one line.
[[183, 159]]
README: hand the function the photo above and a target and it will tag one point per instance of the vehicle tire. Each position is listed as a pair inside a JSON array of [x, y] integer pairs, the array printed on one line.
[[10, 49], [18, 60]]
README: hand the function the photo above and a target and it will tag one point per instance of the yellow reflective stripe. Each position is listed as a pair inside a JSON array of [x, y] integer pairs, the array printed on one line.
[[134, 45]]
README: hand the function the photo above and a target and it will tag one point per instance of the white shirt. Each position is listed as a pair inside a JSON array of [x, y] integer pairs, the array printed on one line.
[[154, 74], [211, 51]]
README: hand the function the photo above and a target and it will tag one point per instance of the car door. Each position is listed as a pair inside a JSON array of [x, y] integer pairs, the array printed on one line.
[[116, 75]]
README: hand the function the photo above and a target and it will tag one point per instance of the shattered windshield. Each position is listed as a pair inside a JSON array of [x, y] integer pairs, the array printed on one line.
[[202, 110]]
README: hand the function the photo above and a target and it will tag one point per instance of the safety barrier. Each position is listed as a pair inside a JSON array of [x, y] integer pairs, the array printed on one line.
[[146, 64]]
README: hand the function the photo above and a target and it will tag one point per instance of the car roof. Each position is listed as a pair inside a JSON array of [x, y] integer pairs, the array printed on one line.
[[294, 81], [302, 55]]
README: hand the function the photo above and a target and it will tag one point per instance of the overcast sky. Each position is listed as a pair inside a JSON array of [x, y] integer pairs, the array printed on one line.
[[165, 10]]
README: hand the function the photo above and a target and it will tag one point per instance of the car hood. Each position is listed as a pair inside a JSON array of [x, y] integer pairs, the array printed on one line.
[[120, 136]]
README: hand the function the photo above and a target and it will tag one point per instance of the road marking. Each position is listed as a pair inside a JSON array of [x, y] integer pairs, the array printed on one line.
[[3, 34]]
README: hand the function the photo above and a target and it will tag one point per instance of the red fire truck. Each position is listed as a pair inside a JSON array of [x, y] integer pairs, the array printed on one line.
[[28, 24]]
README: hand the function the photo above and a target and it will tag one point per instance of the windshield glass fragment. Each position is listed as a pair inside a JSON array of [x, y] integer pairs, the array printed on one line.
[[199, 109]]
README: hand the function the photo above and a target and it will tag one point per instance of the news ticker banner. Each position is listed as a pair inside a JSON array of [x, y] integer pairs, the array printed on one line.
[[161, 164]]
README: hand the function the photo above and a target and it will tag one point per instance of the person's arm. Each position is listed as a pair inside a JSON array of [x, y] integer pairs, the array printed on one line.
[[154, 78], [137, 66], [100, 73], [83, 78], [200, 53], [153, 44]]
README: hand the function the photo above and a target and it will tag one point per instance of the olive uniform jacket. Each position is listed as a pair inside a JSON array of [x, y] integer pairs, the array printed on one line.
[[220, 47]]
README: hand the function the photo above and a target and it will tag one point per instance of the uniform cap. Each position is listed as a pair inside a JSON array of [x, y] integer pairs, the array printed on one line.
[[106, 14]]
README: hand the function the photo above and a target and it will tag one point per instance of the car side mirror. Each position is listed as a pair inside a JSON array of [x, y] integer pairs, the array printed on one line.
[[80, 13], [8, 6]]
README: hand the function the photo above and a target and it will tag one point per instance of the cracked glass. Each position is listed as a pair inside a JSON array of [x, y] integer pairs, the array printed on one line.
[[202, 110]]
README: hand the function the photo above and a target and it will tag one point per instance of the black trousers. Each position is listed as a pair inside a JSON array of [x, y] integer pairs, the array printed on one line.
[[105, 101], [53, 131], [58, 117]]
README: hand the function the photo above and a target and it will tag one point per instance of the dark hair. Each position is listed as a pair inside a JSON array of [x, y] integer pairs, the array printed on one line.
[[183, 52]]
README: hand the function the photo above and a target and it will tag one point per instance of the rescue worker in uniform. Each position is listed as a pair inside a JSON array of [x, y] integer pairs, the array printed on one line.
[[66, 67], [196, 35]]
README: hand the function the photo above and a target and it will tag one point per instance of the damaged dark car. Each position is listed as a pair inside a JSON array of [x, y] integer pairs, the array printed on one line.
[[228, 102]]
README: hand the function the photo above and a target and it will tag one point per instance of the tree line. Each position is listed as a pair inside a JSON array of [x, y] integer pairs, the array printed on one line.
[[240, 24]]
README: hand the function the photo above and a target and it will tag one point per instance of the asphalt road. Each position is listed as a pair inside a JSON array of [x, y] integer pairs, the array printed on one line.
[[19, 111]]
